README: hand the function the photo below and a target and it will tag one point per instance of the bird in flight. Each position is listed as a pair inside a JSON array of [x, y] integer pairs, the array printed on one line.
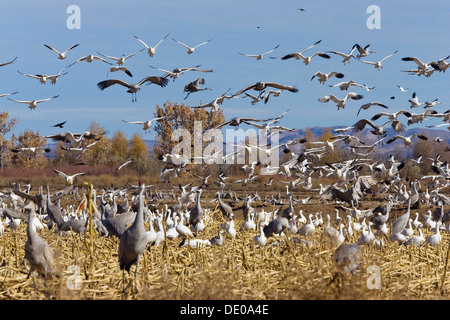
[[151, 50], [33, 103], [259, 56], [120, 61], [69, 179], [62, 55], [6, 63], [191, 49], [147, 124], [133, 88], [59, 125]]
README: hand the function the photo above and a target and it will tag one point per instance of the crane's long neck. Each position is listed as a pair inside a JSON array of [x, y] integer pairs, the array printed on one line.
[[139, 220]]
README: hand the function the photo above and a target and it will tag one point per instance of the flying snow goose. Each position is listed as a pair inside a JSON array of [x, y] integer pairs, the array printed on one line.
[[146, 124], [341, 102], [259, 56], [120, 61], [323, 77], [151, 50], [300, 56], [407, 140], [345, 85], [33, 103], [62, 55], [378, 64], [191, 49]]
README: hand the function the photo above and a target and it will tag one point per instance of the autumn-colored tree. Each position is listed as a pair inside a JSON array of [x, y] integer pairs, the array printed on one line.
[[100, 152], [332, 155], [6, 126], [119, 148], [180, 116], [139, 154], [29, 139]]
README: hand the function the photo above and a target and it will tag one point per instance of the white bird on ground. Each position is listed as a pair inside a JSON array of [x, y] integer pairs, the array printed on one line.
[[341, 102], [62, 55], [259, 56], [151, 50], [146, 124], [436, 238], [377, 64], [307, 229], [33, 103], [191, 49], [261, 238], [416, 240]]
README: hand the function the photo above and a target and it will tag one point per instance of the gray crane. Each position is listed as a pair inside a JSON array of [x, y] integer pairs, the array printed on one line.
[[347, 258], [53, 212], [38, 253], [196, 213], [133, 241], [194, 86], [225, 208]]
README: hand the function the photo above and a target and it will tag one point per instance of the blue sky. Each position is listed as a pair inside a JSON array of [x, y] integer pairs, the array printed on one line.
[[414, 28]]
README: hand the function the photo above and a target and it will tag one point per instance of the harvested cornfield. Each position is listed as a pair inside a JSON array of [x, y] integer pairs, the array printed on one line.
[[287, 267]]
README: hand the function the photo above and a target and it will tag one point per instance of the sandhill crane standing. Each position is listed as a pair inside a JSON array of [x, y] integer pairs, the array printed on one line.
[[33, 103], [133, 241], [191, 49], [38, 253], [151, 50], [62, 55], [341, 102], [146, 124], [133, 88]]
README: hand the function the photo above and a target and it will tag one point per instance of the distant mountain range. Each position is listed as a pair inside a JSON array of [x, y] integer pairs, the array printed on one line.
[[365, 135]]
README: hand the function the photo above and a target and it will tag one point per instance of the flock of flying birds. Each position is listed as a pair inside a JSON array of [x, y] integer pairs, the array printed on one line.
[[134, 238]]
